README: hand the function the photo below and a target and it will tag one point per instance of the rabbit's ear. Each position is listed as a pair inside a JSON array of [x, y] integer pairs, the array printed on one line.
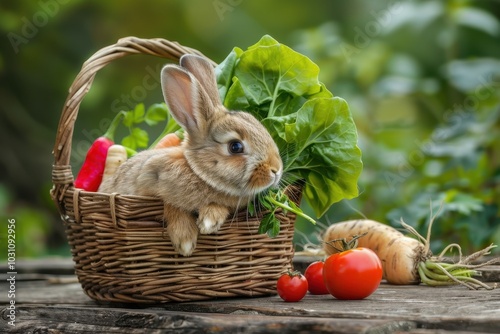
[[204, 71], [186, 100]]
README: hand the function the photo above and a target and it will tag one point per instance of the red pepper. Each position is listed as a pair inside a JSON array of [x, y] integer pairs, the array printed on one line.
[[90, 176]]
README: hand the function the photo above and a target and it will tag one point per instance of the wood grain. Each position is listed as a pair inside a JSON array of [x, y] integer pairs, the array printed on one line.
[[49, 305]]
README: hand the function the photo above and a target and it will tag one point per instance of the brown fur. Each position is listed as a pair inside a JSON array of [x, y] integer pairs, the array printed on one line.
[[201, 178]]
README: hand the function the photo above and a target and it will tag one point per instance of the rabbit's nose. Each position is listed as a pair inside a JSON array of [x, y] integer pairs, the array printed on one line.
[[276, 174]]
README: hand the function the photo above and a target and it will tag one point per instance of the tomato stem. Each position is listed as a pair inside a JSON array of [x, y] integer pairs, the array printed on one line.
[[344, 244], [293, 273]]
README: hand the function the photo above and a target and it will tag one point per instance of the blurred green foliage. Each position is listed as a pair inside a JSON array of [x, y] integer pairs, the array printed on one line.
[[422, 79]]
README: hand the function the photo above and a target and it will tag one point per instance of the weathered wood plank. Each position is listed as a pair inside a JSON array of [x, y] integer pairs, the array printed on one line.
[[70, 319], [49, 304], [389, 301], [447, 308], [50, 265]]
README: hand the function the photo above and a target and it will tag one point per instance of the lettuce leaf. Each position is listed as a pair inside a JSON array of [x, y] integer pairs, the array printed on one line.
[[314, 130]]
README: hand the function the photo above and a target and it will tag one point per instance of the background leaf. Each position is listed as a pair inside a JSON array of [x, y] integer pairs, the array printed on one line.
[[268, 68], [478, 19], [156, 113], [134, 116], [138, 138], [329, 159]]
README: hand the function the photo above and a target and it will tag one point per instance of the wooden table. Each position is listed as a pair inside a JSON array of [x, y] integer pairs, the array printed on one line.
[[48, 299]]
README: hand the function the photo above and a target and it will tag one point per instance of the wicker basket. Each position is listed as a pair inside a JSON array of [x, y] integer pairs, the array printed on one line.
[[120, 247]]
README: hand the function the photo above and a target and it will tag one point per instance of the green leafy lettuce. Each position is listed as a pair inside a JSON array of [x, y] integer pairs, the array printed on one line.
[[313, 129]]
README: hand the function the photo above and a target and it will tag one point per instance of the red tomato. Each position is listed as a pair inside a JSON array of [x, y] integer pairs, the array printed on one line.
[[314, 276], [352, 274], [292, 286]]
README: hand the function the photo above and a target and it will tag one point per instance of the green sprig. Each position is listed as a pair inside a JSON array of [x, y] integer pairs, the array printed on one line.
[[273, 200]]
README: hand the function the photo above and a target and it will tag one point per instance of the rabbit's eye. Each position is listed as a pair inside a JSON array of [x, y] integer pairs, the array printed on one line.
[[236, 147]]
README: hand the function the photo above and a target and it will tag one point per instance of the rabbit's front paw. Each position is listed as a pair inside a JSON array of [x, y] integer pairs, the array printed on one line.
[[211, 218], [184, 245], [183, 232]]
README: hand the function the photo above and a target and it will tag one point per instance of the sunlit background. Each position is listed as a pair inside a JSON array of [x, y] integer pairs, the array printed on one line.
[[422, 79]]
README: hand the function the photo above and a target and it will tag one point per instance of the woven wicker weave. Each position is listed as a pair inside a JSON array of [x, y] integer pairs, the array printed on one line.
[[119, 243]]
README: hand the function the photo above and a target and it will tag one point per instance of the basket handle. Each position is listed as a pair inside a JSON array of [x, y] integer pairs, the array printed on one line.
[[83, 81]]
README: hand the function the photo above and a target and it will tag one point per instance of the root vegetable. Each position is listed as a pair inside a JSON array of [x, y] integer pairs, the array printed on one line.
[[407, 260], [117, 154], [169, 140], [400, 255]]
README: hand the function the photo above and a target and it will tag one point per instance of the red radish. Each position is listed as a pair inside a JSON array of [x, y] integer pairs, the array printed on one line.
[[90, 175]]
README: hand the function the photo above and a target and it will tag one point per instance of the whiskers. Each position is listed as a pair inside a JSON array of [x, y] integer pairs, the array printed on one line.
[[249, 203], [260, 203], [290, 180]]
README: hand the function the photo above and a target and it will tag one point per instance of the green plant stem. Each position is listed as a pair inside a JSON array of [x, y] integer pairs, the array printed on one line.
[[130, 152], [110, 132], [429, 281], [288, 208], [170, 127], [435, 274], [424, 276]]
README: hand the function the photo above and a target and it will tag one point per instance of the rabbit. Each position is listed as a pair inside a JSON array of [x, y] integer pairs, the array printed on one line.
[[225, 159]]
